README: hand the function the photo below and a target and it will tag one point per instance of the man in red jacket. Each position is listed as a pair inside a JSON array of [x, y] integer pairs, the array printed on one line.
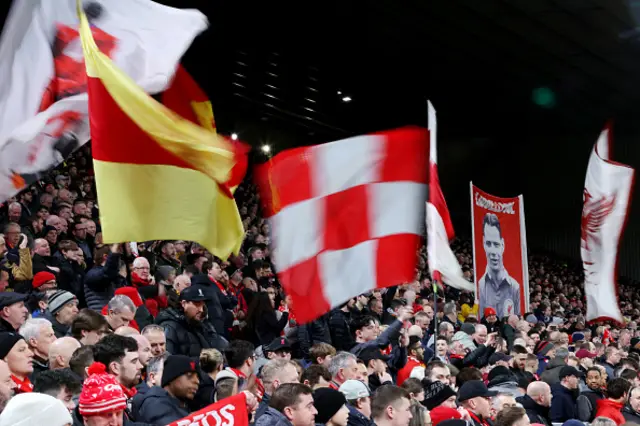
[[611, 407]]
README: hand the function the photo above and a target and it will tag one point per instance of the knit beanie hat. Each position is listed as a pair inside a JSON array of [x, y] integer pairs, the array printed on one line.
[[542, 348], [435, 393], [41, 278], [328, 402], [58, 299], [101, 393], [175, 366], [33, 408], [8, 340]]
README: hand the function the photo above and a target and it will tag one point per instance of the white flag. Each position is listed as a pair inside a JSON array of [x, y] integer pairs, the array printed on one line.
[[43, 100], [606, 198], [443, 264]]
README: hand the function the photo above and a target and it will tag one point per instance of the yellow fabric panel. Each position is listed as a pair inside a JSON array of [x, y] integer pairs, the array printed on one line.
[[158, 202], [198, 146]]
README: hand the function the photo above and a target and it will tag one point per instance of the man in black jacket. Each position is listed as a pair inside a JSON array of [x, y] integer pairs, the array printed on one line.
[[186, 329], [537, 402]]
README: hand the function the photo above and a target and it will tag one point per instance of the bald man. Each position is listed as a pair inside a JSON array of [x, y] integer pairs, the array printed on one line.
[[144, 349], [60, 352], [127, 331], [537, 402]]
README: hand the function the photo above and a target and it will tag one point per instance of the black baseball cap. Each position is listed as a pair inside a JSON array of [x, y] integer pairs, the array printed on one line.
[[370, 353], [193, 294], [568, 370], [474, 389], [278, 344]]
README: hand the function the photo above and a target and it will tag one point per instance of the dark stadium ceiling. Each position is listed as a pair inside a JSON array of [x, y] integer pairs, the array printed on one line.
[[483, 63]]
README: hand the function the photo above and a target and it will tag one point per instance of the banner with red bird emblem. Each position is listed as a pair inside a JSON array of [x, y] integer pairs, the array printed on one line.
[[606, 201]]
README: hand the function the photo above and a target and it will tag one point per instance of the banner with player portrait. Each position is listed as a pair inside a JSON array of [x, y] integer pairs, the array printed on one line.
[[501, 270]]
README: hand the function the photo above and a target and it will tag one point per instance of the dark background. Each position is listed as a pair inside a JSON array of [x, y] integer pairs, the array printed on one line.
[[522, 89]]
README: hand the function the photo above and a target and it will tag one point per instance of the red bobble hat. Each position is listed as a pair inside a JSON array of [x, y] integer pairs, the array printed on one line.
[[41, 278], [101, 393]]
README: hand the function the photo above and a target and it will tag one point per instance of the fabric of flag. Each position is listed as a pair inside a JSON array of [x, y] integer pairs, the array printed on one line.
[[43, 90], [606, 201], [156, 173], [186, 98], [345, 216], [443, 263]]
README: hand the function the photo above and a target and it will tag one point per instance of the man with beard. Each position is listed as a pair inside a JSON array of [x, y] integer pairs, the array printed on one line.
[[415, 358], [186, 329], [119, 354]]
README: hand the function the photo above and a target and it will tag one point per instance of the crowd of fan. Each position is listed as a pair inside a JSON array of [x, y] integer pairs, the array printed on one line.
[[94, 334]]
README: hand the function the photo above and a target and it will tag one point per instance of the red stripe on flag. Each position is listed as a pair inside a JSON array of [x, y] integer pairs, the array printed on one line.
[[406, 156], [285, 180], [302, 282], [346, 218], [401, 250], [436, 197], [117, 139]]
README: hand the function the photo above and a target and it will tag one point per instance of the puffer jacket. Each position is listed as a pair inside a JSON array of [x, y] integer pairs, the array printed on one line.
[[273, 417], [552, 371], [188, 338], [158, 407]]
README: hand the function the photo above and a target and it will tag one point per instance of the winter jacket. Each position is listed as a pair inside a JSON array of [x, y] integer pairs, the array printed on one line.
[[214, 308], [340, 330], [313, 332], [272, 417], [631, 415], [356, 418], [101, 282], [611, 410], [536, 412], [158, 407], [563, 404], [587, 403], [552, 371], [188, 338]]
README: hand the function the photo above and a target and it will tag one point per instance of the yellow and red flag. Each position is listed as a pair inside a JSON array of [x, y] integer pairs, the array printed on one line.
[[159, 176]]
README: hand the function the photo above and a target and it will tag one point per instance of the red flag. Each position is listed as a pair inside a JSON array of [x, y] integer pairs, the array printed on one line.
[[229, 411], [345, 216]]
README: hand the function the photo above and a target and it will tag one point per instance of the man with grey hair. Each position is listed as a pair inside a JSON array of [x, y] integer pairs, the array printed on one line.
[[39, 335], [14, 212], [343, 367], [158, 341], [275, 373], [552, 370], [120, 311], [155, 367]]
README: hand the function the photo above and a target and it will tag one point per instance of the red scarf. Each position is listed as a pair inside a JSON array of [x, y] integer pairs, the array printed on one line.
[[222, 288], [477, 419], [153, 304], [22, 386], [129, 393]]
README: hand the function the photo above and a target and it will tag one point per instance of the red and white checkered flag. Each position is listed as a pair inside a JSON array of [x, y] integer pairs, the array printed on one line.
[[345, 216]]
